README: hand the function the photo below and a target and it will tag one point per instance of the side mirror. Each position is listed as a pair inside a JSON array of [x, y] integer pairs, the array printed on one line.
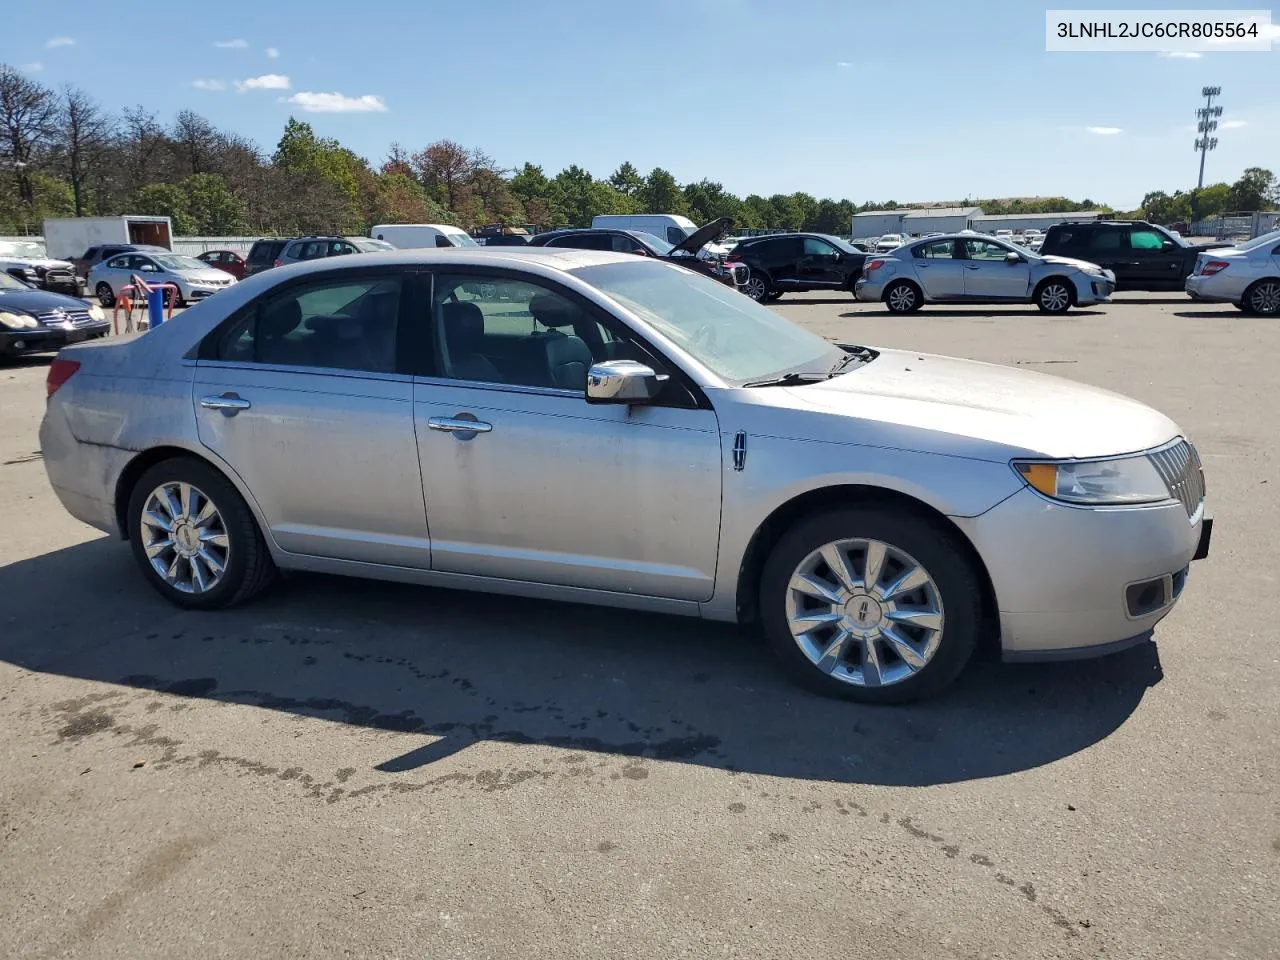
[[640, 252], [622, 381], [1168, 245], [1012, 258]]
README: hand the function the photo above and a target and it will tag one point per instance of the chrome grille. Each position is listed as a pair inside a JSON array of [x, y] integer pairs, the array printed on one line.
[[1179, 467], [58, 319]]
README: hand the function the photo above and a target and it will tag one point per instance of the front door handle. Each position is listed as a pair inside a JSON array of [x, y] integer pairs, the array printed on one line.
[[972, 266], [459, 425], [229, 404]]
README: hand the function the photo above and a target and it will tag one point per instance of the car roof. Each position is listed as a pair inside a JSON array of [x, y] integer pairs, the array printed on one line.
[[556, 258]]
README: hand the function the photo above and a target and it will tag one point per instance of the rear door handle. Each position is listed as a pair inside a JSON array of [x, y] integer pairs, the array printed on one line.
[[459, 425], [971, 266], [229, 404]]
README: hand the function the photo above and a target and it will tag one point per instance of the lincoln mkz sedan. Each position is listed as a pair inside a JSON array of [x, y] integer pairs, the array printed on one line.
[[970, 268], [602, 428]]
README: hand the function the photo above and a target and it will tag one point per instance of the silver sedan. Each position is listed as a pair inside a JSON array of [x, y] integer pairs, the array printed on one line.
[[190, 278], [1247, 275], [601, 428], [971, 268]]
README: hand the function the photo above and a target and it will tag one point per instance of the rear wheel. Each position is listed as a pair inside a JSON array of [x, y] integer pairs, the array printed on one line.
[[903, 297], [871, 603], [195, 538], [1263, 298], [106, 296], [1053, 295]]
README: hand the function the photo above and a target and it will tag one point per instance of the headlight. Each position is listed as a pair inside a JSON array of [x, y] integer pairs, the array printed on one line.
[[18, 321], [1097, 482], [96, 312]]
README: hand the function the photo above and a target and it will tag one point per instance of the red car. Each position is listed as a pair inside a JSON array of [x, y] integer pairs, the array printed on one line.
[[226, 260]]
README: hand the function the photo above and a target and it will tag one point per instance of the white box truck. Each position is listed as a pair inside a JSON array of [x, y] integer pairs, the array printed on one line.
[[70, 238], [671, 227], [414, 236]]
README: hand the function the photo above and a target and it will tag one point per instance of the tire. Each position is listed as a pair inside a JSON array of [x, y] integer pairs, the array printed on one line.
[[175, 296], [1053, 295], [903, 296], [1263, 298], [758, 287], [952, 592], [106, 296], [247, 565], [773, 297], [1241, 307]]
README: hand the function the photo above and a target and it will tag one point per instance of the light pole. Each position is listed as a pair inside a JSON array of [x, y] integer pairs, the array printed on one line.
[[1206, 118]]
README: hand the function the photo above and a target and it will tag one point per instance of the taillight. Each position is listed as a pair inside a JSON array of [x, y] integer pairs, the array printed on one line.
[[1213, 266], [874, 265], [733, 258], [277, 263], [60, 371]]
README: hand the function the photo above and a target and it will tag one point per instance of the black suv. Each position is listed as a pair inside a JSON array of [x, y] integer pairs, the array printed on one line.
[[643, 244], [791, 262], [1142, 255], [263, 254]]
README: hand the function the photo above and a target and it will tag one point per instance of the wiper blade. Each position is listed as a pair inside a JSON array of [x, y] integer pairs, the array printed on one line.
[[852, 353], [789, 380]]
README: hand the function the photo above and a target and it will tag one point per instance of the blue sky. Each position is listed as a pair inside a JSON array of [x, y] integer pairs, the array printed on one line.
[[916, 101]]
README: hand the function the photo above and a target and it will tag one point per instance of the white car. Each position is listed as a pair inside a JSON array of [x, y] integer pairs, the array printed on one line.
[[27, 260], [194, 280], [1247, 275], [890, 241]]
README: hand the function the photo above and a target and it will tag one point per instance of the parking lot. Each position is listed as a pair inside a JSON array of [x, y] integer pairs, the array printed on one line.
[[370, 770]]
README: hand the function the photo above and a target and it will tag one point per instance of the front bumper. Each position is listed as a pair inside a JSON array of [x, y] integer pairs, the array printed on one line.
[[1219, 287], [43, 339], [1075, 582], [1091, 289]]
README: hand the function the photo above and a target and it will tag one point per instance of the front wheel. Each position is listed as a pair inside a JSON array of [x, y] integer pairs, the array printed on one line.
[[903, 297], [106, 296], [1053, 296], [757, 288], [871, 604], [195, 538], [1263, 298]]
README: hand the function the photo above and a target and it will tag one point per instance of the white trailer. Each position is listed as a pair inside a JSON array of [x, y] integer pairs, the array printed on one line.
[[69, 238], [414, 236]]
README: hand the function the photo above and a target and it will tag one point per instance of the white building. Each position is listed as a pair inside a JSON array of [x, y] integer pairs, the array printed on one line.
[[876, 223], [1017, 222]]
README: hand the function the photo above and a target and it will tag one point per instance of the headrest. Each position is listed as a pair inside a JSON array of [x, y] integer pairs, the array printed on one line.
[[279, 318], [463, 322], [553, 311]]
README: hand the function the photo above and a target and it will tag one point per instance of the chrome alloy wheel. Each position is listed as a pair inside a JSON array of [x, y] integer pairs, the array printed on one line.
[[756, 288], [1265, 298], [902, 298], [1055, 298], [864, 612], [185, 537]]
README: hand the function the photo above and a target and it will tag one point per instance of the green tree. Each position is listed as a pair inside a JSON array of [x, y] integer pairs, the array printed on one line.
[[708, 200], [166, 200], [661, 194], [785, 213], [214, 210], [401, 199], [1255, 190], [827, 218], [1210, 201], [807, 208], [757, 211], [626, 179]]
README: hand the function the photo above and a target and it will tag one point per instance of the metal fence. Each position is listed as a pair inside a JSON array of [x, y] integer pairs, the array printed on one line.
[[190, 246], [1237, 226]]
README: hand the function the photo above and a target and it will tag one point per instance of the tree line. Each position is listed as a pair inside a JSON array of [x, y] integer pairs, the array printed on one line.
[[63, 155]]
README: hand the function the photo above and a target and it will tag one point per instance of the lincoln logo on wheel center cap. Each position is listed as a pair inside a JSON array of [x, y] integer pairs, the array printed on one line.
[[863, 611]]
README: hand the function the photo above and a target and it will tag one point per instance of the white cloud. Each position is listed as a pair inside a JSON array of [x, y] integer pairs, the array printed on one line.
[[272, 53], [1105, 131], [55, 42], [35, 66], [1180, 55], [236, 44], [209, 84], [844, 64], [336, 103], [268, 81], [1233, 124]]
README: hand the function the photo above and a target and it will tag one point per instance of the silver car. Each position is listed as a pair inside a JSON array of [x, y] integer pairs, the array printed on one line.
[[192, 279], [972, 268], [601, 428], [1247, 275]]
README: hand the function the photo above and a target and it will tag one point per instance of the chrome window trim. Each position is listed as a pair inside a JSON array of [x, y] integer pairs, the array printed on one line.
[[501, 387], [347, 372]]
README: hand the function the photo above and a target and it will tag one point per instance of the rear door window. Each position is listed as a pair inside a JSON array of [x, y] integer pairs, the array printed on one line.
[[1105, 240]]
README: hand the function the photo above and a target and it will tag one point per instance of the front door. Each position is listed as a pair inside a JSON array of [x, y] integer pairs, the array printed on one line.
[[547, 488], [820, 264], [1154, 263], [940, 269], [988, 275], [303, 398]]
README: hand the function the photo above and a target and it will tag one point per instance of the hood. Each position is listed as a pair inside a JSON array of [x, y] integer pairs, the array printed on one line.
[[1070, 262], [207, 275], [39, 301], [704, 235], [984, 410], [1211, 245], [44, 262]]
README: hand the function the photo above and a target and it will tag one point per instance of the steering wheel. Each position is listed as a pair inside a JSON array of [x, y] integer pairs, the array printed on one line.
[[705, 337]]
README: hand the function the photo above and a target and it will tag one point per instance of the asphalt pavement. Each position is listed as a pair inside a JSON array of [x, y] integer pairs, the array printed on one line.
[[380, 771]]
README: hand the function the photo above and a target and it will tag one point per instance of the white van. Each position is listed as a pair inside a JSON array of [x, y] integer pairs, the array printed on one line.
[[671, 228], [413, 236]]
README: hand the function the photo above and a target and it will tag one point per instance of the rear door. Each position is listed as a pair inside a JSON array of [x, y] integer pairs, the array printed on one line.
[[939, 267], [1107, 246], [303, 396], [781, 260], [988, 275]]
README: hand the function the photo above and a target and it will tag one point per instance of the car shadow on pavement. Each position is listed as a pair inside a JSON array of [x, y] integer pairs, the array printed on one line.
[[929, 312], [1232, 314], [26, 360], [457, 667]]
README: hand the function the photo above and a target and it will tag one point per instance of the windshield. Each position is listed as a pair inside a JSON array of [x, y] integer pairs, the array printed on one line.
[[11, 283], [729, 333], [180, 263], [22, 248], [462, 239], [657, 244], [372, 246], [1262, 241], [841, 244]]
